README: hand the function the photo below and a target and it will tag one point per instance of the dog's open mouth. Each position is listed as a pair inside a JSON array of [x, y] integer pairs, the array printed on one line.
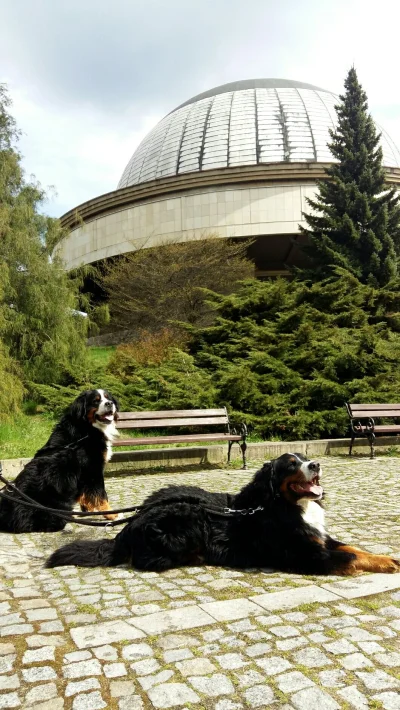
[[105, 418], [308, 488]]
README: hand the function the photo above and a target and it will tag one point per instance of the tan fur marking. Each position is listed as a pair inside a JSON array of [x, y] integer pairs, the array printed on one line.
[[367, 562], [92, 503], [91, 415]]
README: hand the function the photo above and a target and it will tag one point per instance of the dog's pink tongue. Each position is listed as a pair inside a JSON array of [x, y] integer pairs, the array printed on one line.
[[313, 488], [308, 488]]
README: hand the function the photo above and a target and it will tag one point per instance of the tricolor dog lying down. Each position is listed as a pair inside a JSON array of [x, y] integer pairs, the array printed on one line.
[[68, 469], [286, 531]]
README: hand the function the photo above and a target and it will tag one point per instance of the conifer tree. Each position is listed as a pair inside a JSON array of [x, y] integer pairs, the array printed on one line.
[[39, 327], [355, 218]]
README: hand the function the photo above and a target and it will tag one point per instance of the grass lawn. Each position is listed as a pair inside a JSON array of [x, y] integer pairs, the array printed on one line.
[[22, 437], [100, 355]]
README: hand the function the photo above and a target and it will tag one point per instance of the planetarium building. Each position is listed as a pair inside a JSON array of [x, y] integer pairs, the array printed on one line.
[[237, 161]]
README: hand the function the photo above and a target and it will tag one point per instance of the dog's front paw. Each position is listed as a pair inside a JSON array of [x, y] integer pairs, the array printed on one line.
[[110, 516]]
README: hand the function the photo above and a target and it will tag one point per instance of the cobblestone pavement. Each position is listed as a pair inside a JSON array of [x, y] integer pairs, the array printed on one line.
[[204, 637]]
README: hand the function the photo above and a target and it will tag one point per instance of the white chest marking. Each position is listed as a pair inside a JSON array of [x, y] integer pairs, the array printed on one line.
[[313, 514], [110, 432]]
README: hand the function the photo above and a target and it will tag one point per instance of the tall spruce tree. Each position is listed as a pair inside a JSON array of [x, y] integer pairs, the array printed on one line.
[[355, 218]]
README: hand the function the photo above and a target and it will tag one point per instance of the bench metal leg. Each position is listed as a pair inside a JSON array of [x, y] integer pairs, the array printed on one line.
[[371, 439], [230, 444], [351, 445], [243, 446]]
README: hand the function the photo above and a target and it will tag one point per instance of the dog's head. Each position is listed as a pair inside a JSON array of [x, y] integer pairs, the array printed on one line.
[[293, 477], [96, 407]]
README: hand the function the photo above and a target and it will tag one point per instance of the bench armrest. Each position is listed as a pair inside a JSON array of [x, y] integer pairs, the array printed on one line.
[[358, 427]]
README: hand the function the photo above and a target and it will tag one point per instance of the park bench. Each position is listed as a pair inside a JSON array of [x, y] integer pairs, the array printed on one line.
[[362, 421], [181, 419]]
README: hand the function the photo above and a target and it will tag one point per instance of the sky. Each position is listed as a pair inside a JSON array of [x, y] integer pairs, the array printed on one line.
[[90, 78]]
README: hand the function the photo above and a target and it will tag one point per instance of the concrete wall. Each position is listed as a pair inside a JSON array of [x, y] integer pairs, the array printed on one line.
[[229, 212]]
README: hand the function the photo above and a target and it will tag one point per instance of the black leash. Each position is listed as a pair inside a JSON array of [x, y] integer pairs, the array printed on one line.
[[73, 515]]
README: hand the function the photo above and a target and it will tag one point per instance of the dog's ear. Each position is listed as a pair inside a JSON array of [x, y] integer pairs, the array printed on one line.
[[77, 410], [270, 471]]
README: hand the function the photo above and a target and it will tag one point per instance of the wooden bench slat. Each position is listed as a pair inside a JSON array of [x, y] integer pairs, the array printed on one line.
[[387, 427], [140, 441], [373, 406], [376, 414], [185, 421], [173, 414]]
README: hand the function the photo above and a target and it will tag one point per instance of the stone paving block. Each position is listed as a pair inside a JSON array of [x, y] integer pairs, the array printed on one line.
[[250, 677], [51, 627], [33, 675], [169, 695], [34, 604], [82, 668], [114, 670], [273, 664], [7, 663], [284, 631], [312, 658], [89, 701], [108, 631], [37, 640], [172, 641], [105, 653], [42, 614], [290, 598], [45, 653], [258, 649], [378, 680], [136, 650], [225, 704], [352, 695], [354, 661], [313, 699], [9, 700], [80, 686], [9, 682], [6, 649], [40, 692], [213, 686], [77, 656], [290, 682], [121, 688], [149, 665], [175, 620], [259, 696], [364, 586], [195, 666], [332, 679], [131, 702], [391, 659], [340, 647], [149, 681], [231, 609], [16, 630], [389, 700], [53, 704], [180, 654]]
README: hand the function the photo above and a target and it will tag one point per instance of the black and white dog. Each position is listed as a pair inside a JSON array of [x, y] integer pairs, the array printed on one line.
[[286, 531], [68, 469]]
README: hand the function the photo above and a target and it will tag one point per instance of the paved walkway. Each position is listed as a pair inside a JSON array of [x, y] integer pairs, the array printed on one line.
[[203, 637]]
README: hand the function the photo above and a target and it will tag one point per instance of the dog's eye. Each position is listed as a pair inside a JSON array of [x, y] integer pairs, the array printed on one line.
[[97, 399]]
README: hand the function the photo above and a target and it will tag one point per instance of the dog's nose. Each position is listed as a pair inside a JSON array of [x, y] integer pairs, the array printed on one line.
[[108, 405], [314, 466]]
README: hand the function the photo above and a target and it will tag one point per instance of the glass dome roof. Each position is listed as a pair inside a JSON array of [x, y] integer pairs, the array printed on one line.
[[242, 123]]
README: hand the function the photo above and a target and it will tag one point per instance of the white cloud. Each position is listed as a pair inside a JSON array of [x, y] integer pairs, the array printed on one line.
[[89, 80]]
